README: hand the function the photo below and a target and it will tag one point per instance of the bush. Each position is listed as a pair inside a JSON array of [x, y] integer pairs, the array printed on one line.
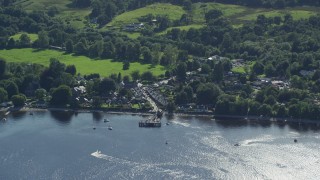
[[18, 100]]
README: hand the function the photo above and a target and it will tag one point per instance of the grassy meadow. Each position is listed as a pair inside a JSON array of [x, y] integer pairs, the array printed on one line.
[[32, 37], [83, 64], [172, 11]]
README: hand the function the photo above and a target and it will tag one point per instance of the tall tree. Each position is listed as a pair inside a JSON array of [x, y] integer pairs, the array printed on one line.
[[61, 95], [43, 39], [2, 67]]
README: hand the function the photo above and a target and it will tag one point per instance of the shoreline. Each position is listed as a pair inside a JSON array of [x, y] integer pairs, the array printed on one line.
[[144, 113]]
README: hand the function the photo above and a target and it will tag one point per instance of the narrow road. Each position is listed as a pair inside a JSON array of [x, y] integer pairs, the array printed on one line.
[[153, 104]]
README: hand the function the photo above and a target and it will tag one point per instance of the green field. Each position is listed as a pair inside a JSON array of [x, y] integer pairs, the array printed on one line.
[[172, 11], [83, 64], [73, 16], [296, 14], [32, 37]]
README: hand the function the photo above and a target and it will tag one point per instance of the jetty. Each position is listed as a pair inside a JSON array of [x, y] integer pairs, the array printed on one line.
[[152, 122]]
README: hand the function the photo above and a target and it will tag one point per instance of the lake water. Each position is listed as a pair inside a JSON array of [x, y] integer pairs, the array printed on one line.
[[61, 145]]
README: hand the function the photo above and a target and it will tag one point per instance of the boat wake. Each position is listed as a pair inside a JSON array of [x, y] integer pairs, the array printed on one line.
[[260, 140], [142, 168]]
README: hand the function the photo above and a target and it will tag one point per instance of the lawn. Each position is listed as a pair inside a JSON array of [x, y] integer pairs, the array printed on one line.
[[182, 28], [172, 11], [83, 64], [73, 16], [32, 37], [228, 10]]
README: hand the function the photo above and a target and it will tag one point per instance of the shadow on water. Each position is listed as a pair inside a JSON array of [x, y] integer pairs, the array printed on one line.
[[170, 116], [63, 117], [18, 115], [231, 123], [304, 127], [97, 116]]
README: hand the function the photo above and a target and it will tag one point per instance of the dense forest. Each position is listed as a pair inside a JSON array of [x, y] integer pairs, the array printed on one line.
[[278, 48]]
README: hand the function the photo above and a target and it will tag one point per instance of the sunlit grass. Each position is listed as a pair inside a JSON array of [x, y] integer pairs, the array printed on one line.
[[83, 64]]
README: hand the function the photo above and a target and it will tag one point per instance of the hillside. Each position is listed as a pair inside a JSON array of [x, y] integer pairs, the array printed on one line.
[[235, 13], [73, 16]]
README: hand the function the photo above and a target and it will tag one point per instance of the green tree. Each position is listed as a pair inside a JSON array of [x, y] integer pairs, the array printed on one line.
[[2, 67], [96, 102], [69, 46], [147, 76], [25, 40], [208, 93], [80, 49], [126, 65], [43, 39], [213, 14], [135, 75], [61, 96], [146, 54], [71, 69], [282, 112], [12, 89], [40, 94], [107, 85], [18, 100], [3, 95], [11, 43], [218, 72], [181, 71], [170, 55]]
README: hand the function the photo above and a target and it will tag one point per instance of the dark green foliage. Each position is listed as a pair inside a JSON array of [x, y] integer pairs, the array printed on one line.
[[18, 100], [126, 65], [43, 40], [135, 75], [181, 71], [61, 96], [208, 93], [147, 76], [106, 86], [12, 89], [3, 95], [69, 46], [2, 67], [71, 69]]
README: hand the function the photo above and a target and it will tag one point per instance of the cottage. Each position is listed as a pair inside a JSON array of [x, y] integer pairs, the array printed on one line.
[[133, 27]]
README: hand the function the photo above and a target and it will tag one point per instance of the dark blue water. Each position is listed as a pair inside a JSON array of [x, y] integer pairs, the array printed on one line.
[[61, 145]]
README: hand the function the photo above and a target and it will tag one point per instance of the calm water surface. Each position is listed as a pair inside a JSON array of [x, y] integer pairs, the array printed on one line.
[[56, 145]]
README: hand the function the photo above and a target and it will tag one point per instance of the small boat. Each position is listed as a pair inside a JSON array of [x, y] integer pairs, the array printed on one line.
[[237, 144], [94, 128], [106, 120], [98, 152], [167, 123], [110, 128]]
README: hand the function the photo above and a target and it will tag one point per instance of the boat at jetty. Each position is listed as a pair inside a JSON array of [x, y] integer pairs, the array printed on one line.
[[151, 122]]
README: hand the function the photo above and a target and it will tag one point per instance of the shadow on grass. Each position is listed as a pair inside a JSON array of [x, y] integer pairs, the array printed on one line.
[[38, 50]]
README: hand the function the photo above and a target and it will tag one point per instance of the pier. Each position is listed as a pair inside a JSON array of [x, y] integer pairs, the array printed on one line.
[[152, 122]]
